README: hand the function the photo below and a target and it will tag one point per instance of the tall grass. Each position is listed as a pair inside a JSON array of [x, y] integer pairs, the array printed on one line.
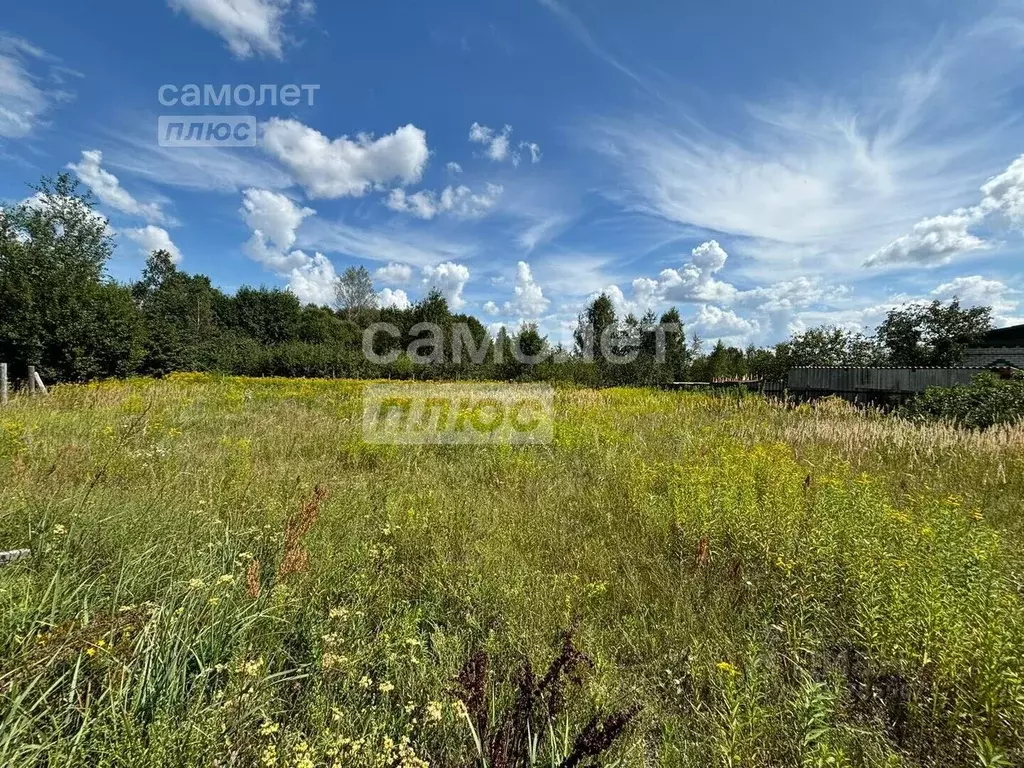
[[223, 573]]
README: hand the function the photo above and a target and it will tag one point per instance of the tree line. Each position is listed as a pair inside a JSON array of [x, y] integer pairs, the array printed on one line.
[[60, 311]]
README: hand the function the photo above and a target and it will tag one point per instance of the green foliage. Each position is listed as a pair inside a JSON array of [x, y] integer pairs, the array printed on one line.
[[985, 402], [59, 310], [354, 291], [933, 334]]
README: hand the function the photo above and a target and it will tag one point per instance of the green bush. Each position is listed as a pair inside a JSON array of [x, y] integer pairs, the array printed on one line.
[[986, 401]]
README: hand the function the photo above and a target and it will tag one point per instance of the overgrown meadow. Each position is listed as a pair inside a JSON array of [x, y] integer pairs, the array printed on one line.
[[224, 573]]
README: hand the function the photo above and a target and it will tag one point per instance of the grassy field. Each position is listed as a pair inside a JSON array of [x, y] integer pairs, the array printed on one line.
[[225, 574]]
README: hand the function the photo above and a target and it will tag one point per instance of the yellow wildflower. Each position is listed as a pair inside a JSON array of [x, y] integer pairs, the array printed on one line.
[[725, 666]]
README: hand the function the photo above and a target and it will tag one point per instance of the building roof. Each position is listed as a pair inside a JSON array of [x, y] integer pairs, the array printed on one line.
[[1012, 336]]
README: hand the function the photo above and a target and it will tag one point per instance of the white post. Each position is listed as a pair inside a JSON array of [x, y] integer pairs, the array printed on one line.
[[3, 384], [39, 383]]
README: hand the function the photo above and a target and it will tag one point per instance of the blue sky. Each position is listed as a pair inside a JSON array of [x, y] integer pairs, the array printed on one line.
[[763, 167]]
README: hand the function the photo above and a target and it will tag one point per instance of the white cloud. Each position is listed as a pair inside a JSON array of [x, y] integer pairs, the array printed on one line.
[[24, 97], [273, 215], [717, 323], [396, 298], [939, 239], [977, 291], [693, 282], [247, 26], [450, 279], [454, 167], [205, 169], [108, 189], [313, 281], [933, 241], [498, 144], [620, 303], [151, 238], [1004, 194], [279, 260], [529, 301], [384, 245], [534, 150], [789, 295], [768, 309], [460, 202], [491, 308], [541, 230], [822, 180], [346, 167], [394, 273], [275, 220]]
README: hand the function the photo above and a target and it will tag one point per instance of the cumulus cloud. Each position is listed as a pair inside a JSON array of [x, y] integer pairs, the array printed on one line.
[[496, 142], [108, 189], [450, 279], [491, 308], [151, 238], [939, 239], [274, 220], [715, 322], [460, 202], [394, 273], [281, 261], [933, 241], [693, 282], [274, 215], [314, 280], [1004, 194], [723, 309], [247, 26], [978, 291], [529, 301], [454, 167], [346, 167], [396, 298]]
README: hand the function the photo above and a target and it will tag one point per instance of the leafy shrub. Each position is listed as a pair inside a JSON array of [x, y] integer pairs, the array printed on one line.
[[986, 401]]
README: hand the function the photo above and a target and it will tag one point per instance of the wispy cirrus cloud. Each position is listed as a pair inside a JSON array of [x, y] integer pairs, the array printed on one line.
[[31, 82], [823, 180]]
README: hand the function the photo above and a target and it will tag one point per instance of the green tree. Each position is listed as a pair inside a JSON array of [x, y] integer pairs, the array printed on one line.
[[269, 315], [179, 314], [677, 356], [60, 310], [596, 323], [932, 334], [354, 291]]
